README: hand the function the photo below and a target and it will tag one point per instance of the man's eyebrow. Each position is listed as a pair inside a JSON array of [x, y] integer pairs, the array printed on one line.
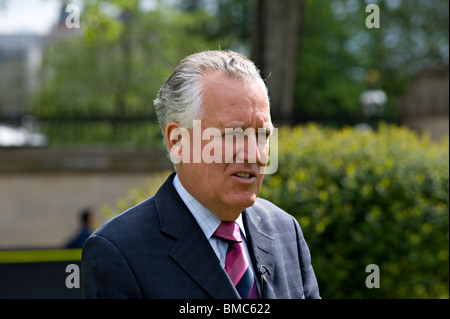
[[233, 125]]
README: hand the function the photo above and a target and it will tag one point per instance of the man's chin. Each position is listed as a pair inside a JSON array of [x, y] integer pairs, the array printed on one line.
[[235, 204], [244, 201]]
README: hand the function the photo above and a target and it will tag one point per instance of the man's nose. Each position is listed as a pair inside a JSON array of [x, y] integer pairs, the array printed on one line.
[[249, 151]]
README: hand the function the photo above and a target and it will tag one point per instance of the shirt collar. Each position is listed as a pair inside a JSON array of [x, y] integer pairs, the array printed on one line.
[[207, 221]]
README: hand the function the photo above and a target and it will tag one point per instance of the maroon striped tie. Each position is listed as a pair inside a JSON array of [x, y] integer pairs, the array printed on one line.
[[236, 265]]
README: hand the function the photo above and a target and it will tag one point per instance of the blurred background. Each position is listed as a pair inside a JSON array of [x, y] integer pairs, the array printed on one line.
[[78, 131]]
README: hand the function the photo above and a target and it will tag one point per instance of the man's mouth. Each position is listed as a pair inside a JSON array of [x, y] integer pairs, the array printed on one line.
[[245, 175]]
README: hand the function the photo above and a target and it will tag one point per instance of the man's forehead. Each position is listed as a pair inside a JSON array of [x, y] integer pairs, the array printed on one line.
[[229, 103]]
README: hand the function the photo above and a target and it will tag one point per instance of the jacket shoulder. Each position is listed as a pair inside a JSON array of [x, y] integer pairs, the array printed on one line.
[[129, 222], [271, 212]]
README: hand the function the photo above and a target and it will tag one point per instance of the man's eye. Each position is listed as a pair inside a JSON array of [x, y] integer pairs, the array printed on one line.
[[263, 134], [233, 133]]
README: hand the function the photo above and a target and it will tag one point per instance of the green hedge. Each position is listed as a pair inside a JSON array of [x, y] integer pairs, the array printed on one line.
[[366, 197], [361, 197]]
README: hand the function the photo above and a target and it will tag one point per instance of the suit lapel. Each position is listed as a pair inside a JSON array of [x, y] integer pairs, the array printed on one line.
[[192, 251], [195, 255], [261, 248]]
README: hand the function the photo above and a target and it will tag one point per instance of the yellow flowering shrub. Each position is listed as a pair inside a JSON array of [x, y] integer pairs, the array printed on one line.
[[368, 197]]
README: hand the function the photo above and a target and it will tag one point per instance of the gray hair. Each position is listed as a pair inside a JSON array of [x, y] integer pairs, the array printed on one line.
[[180, 98]]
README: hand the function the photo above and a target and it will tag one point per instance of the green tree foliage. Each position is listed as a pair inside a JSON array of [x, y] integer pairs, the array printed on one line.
[[365, 197], [120, 60], [337, 51], [323, 87], [125, 52], [113, 69]]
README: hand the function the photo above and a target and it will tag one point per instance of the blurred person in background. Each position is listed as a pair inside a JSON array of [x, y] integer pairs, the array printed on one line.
[[87, 220]]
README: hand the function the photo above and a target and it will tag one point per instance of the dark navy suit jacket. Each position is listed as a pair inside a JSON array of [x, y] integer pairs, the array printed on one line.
[[157, 250]]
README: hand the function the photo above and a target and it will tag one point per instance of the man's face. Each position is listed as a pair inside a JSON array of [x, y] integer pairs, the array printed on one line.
[[228, 186]]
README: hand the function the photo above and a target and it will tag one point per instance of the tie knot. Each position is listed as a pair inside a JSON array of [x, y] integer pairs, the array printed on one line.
[[229, 231]]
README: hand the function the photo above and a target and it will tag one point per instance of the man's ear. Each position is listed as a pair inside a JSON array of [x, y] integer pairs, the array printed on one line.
[[178, 142], [170, 131]]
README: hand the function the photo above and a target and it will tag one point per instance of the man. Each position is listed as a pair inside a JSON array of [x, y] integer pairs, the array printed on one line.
[[205, 233], [87, 220]]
